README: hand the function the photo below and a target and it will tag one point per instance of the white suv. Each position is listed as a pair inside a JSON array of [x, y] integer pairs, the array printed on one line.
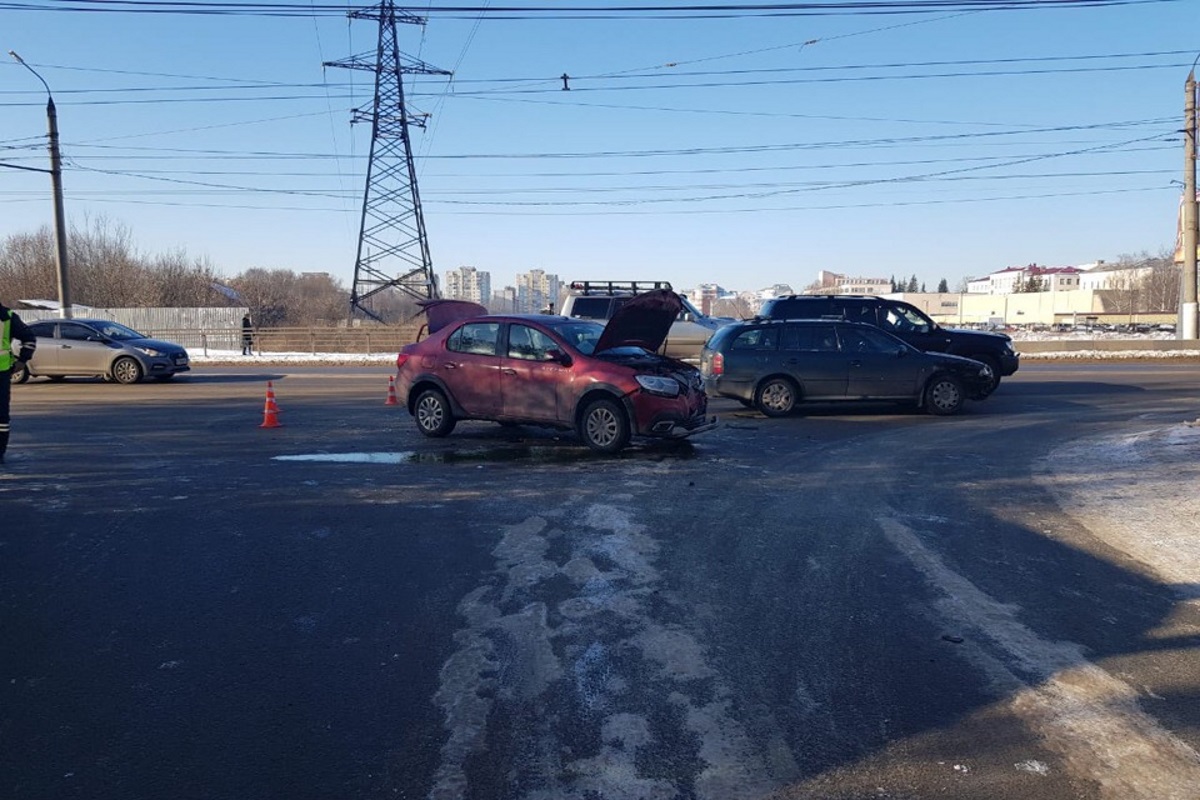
[[599, 300]]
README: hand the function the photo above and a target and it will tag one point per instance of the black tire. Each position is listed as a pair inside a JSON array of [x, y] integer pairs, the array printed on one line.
[[433, 415], [604, 427], [943, 395], [995, 367], [126, 370], [776, 397], [19, 374]]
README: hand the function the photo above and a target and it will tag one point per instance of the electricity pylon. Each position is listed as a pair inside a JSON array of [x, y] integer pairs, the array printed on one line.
[[393, 252]]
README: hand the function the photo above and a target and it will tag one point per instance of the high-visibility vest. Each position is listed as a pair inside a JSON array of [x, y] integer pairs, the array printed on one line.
[[6, 354]]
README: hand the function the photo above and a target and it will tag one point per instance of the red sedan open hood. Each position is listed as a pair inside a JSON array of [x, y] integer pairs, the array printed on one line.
[[441, 313], [643, 321]]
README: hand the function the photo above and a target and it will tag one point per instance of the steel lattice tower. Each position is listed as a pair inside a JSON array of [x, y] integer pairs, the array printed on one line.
[[393, 252]]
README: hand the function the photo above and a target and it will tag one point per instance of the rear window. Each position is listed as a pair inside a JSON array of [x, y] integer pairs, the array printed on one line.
[[592, 307], [720, 337]]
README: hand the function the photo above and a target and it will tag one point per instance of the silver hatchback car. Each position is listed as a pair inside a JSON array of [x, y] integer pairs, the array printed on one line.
[[97, 347]]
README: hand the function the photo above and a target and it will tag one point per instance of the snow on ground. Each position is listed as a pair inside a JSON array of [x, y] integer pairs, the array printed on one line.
[[235, 358], [1137, 492]]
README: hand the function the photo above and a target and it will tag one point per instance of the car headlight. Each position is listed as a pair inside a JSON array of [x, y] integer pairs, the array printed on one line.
[[150, 351], [655, 384]]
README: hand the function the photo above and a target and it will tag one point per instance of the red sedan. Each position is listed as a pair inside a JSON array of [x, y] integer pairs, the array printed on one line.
[[606, 382]]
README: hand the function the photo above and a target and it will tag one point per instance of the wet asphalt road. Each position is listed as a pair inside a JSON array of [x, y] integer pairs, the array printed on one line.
[[846, 604]]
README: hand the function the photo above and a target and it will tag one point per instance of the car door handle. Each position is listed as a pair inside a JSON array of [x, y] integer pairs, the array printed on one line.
[[509, 371], [856, 363], [449, 366], [792, 361]]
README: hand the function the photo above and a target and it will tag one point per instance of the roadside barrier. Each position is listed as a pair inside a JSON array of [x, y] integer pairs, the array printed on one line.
[[391, 395]]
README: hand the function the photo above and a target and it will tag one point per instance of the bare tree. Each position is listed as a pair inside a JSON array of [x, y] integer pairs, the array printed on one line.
[[27, 267]]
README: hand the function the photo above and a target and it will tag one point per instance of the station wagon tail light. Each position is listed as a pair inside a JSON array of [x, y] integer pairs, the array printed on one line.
[[718, 364], [400, 359]]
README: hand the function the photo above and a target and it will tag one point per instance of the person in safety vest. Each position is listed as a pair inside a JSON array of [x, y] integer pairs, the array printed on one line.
[[11, 327]]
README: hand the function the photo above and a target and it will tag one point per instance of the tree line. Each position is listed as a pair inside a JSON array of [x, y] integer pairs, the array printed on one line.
[[106, 270]]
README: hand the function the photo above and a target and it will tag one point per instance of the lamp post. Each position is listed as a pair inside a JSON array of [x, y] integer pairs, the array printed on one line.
[[1186, 328], [60, 228]]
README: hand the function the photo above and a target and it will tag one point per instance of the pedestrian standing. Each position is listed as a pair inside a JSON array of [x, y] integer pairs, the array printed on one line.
[[11, 327], [247, 336]]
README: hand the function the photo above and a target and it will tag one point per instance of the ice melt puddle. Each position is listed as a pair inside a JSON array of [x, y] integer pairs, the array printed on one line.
[[352, 458]]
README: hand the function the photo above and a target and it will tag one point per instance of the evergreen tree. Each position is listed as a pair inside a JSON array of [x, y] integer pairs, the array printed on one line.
[[912, 284], [922, 287], [943, 287]]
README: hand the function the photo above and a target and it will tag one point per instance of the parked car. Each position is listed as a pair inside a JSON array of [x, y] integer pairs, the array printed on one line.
[[600, 300], [775, 365], [905, 321], [97, 347], [604, 381]]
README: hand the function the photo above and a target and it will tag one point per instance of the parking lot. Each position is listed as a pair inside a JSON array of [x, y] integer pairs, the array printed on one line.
[[844, 603]]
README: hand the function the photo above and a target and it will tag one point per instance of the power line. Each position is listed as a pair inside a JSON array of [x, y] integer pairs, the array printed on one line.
[[598, 12]]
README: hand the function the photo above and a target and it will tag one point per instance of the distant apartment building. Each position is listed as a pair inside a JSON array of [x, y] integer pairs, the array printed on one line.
[[537, 291], [833, 283], [1013, 280], [468, 283], [1102, 276], [705, 296], [504, 301]]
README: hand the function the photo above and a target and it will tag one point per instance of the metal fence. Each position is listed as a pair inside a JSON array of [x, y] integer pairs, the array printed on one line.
[[209, 331]]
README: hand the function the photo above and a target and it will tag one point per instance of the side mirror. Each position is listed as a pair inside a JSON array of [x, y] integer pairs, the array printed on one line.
[[560, 357], [901, 352]]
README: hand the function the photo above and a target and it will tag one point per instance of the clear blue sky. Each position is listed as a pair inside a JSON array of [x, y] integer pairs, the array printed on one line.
[[747, 150]]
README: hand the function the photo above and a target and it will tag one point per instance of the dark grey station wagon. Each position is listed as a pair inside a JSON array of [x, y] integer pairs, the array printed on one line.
[[774, 365]]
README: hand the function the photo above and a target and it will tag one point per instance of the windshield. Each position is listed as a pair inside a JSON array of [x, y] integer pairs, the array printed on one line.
[[580, 335], [115, 330]]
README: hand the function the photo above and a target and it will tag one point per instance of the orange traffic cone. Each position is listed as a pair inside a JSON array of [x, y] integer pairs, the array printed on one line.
[[270, 410], [391, 398]]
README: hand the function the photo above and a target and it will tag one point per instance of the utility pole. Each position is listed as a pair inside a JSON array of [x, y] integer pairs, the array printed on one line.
[[60, 225], [393, 252], [1186, 329]]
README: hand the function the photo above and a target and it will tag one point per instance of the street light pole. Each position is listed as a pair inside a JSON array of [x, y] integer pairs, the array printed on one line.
[[1187, 305], [60, 227]]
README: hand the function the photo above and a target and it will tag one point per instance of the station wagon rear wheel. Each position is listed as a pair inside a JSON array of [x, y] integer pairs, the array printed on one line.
[[19, 374], [776, 397], [604, 426], [944, 396], [433, 414]]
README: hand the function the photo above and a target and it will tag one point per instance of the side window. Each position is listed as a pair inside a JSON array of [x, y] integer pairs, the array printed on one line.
[[756, 339], [591, 307], [43, 330], [859, 312], [529, 344], [865, 340], [478, 338], [78, 333], [811, 338]]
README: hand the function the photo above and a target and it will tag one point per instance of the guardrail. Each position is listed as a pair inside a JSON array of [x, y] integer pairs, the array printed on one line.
[[364, 341]]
